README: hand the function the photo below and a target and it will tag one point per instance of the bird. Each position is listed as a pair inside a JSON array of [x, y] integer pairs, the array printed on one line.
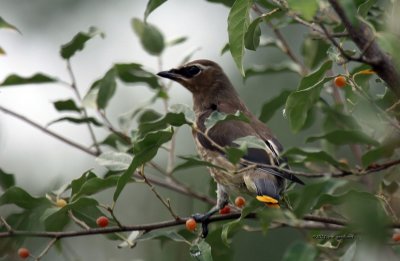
[[212, 91]]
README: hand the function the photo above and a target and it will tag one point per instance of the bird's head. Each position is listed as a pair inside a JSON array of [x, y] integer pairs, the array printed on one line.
[[199, 76]]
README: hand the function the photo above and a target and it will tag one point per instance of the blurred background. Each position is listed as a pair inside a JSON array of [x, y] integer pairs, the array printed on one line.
[[42, 163]]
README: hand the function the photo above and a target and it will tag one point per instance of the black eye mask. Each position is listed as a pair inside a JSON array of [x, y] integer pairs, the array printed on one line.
[[189, 72]]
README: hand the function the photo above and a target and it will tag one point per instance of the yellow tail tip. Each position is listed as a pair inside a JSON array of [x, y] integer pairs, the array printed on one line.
[[273, 205], [267, 199]]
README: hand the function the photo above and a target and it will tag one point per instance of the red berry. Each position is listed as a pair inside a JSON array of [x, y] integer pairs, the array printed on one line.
[[396, 237], [240, 202], [340, 81], [102, 221], [191, 224], [225, 210], [23, 252]]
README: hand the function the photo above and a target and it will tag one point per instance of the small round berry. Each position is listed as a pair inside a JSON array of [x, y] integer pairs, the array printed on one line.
[[102, 221], [191, 224], [23, 252], [396, 237], [61, 203], [340, 81], [240, 202], [225, 210]]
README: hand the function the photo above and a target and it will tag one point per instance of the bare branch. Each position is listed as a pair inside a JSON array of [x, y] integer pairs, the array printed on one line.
[[49, 132], [46, 249], [330, 222]]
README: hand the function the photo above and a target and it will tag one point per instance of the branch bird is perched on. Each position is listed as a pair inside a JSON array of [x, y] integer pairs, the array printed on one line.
[[212, 91]]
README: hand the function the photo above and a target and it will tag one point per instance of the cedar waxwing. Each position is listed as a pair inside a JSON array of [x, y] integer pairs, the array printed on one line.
[[212, 91]]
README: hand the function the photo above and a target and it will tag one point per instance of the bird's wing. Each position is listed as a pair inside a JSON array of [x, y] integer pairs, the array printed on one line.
[[224, 133]]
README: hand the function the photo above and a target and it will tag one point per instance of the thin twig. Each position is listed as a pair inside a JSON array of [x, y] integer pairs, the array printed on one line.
[[84, 112], [8, 227], [79, 222], [49, 132], [285, 45], [153, 189], [179, 188], [111, 128], [46, 249]]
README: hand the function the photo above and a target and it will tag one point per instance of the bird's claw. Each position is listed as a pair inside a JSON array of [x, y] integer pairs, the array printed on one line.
[[204, 220]]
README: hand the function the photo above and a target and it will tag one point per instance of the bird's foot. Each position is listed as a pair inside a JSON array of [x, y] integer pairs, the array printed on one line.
[[204, 220]]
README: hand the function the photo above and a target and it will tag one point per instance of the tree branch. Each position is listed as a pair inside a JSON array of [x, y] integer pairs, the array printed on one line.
[[49, 132], [329, 222], [363, 37]]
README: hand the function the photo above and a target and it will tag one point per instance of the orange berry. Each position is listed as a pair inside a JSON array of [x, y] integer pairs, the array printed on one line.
[[191, 224], [240, 202], [396, 237], [23, 252], [102, 221], [225, 210], [340, 81], [61, 203]]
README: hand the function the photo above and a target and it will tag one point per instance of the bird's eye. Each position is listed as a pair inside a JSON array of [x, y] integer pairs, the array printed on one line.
[[192, 71]]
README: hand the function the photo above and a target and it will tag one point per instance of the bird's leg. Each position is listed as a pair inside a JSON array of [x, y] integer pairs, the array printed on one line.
[[222, 201]]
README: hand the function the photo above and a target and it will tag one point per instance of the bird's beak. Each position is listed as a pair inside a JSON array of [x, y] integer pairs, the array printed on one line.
[[171, 74]]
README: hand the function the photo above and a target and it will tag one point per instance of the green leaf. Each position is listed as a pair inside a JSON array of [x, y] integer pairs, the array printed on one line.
[[376, 154], [66, 105], [193, 161], [238, 22], [151, 6], [77, 121], [314, 77], [269, 108], [225, 48], [6, 180], [234, 154], [144, 150], [169, 119], [216, 117], [342, 137], [186, 110], [78, 42], [107, 87], [134, 73], [177, 41], [307, 198], [227, 3], [365, 7], [94, 185], [300, 251], [306, 9], [285, 66], [114, 161], [6, 25], [77, 184], [201, 251], [336, 119], [56, 219], [21, 198], [313, 155], [253, 33], [150, 37], [2, 52], [14, 79], [301, 101], [314, 51]]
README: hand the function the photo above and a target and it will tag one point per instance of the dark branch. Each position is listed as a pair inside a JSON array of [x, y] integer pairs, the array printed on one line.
[[49, 132], [331, 223], [363, 37]]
